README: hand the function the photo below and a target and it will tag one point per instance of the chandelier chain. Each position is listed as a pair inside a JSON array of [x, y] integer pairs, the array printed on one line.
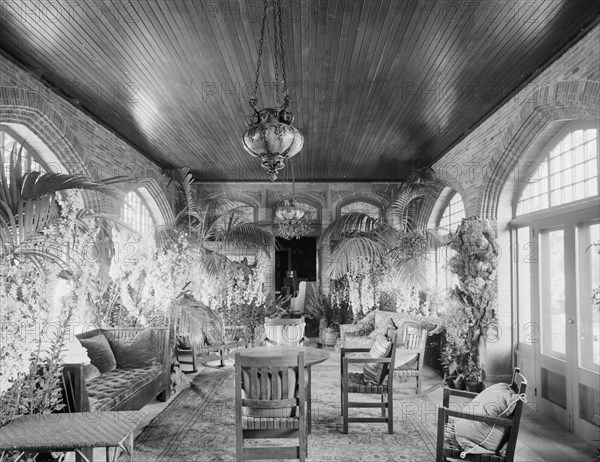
[[283, 70], [276, 49], [254, 99], [270, 136]]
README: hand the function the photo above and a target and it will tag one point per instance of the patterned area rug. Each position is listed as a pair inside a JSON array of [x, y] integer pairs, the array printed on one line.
[[198, 425]]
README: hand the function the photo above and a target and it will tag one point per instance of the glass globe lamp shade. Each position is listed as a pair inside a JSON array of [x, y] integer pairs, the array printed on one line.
[[272, 139]]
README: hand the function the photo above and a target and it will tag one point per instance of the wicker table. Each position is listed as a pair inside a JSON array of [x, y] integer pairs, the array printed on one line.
[[38, 433]]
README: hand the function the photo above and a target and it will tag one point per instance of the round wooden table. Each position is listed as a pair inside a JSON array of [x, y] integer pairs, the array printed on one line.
[[312, 356]]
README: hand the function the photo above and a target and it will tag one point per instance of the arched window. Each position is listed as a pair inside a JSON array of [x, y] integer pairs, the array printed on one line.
[[556, 263], [453, 214], [568, 173], [243, 211], [367, 208], [136, 213], [449, 221], [29, 161]]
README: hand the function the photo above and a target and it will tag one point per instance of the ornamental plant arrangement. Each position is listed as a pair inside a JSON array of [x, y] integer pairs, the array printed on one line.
[[42, 242], [472, 302]]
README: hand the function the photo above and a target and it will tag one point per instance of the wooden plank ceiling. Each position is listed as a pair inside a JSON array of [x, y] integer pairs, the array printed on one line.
[[377, 85]]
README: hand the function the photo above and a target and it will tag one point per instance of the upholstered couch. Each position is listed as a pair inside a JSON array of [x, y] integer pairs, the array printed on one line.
[[129, 368]]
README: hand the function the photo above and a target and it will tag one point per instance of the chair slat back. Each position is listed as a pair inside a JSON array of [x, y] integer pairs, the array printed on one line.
[[267, 382], [414, 336]]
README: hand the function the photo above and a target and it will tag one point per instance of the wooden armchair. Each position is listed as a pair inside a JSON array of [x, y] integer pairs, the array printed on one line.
[[411, 353], [270, 402], [509, 419], [382, 355]]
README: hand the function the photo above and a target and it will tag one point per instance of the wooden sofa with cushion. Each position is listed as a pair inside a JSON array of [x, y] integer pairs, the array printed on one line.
[[129, 368], [364, 332]]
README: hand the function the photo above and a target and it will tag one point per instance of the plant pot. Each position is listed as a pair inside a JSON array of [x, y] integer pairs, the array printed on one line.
[[476, 387], [284, 331], [472, 386], [329, 336], [459, 383]]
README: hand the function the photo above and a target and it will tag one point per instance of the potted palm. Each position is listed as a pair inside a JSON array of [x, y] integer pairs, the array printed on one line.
[[472, 375], [400, 244], [330, 315]]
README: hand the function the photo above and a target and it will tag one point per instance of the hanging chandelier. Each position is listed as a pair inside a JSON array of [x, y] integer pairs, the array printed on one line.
[[270, 136], [291, 218]]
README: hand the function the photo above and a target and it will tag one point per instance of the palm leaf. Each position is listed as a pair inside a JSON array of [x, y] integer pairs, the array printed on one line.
[[348, 225], [412, 272], [350, 250], [249, 235], [184, 183], [212, 263]]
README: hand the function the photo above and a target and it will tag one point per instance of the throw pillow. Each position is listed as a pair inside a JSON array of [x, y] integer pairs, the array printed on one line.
[[90, 372], [74, 352], [374, 373], [140, 351], [481, 437], [100, 353], [384, 329]]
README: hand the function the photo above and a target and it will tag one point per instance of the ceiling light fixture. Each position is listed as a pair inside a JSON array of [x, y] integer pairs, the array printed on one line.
[[291, 218], [271, 136]]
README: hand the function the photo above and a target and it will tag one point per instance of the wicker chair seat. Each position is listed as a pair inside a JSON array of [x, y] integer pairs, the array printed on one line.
[[271, 423], [357, 384], [453, 449], [113, 387]]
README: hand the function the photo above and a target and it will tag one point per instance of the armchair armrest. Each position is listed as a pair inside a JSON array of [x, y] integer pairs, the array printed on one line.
[[367, 360], [343, 350], [439, 328], [348, 329], [452, 392], [444, 413]]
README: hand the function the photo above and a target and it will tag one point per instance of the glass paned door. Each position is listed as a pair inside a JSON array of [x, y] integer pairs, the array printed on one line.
[[567, 358], [553, 389], [552, 294], [587, 372]]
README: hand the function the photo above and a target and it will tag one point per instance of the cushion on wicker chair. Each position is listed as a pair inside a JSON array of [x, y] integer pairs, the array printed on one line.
[[90, 372], [374, 373], [481, 437]]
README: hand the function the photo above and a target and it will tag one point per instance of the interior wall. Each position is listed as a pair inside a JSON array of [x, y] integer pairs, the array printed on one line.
[[80, 143], [482, 163], [325, 197]]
